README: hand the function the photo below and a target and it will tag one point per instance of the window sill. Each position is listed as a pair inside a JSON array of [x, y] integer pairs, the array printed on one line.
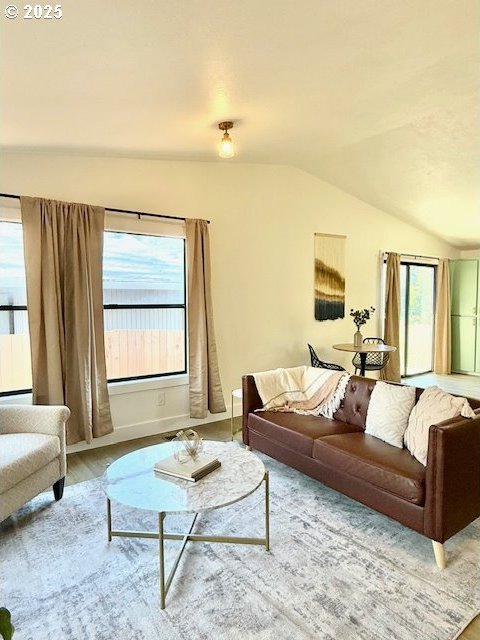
[[132, 386], [17, 398], [116, 388]]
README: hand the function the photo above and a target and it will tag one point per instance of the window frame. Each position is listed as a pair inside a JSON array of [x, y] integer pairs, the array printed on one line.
[[12, 308], [157, 306], [408, 264], [16, 392]]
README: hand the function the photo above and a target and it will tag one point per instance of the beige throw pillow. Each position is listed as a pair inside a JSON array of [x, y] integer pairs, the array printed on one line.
[[388, 411], [434, 406]]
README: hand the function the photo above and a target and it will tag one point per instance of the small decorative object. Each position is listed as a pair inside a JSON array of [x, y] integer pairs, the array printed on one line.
[[360, 317], [189, 444], [329, 276]]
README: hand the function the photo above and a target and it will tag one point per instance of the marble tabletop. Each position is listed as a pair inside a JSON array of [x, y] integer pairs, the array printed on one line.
[[132, 481]]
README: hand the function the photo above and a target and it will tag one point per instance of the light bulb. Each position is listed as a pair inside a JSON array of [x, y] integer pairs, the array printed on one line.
[[226, 147]]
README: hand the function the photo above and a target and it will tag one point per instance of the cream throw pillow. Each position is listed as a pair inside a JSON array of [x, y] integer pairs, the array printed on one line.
[[388, 411], [434, 406]]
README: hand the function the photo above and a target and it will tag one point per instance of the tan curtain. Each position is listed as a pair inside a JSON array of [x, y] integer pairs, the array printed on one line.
[[442, 352], [205, 385], [391, 333], [63, 258]]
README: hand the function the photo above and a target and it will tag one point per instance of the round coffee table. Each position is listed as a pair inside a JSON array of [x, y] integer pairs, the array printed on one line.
[[132, 481]]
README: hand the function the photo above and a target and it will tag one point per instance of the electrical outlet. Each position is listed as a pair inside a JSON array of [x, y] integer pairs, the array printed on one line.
[[161, 398]]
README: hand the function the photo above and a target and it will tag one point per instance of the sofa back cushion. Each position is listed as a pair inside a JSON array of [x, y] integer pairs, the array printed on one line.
[[354, 406]]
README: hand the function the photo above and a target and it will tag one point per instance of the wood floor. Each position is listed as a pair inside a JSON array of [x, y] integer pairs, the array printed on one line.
[[456, 383], [86, 465]]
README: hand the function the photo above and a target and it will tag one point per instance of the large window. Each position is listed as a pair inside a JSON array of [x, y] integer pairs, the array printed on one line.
[[144, 298], [15, 367]]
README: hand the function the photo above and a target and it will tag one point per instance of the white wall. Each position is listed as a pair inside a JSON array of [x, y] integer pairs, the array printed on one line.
[[263, 220]]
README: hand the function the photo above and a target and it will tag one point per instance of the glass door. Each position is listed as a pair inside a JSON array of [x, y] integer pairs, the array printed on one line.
[[417, 318]]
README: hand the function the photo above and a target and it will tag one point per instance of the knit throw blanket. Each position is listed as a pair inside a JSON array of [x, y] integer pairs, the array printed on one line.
[[305, 390]]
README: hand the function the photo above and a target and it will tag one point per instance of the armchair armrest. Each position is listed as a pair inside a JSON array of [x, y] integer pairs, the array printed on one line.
[[452, 477], [251, 401], [19, 418]]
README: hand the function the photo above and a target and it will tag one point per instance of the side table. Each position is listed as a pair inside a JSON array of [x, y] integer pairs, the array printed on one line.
[[236, 393]]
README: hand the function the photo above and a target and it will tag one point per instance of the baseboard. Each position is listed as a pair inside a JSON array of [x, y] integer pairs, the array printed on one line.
[[150, 428]]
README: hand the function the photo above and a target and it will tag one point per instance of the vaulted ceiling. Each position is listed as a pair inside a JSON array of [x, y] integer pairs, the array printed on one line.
[[378, 97]]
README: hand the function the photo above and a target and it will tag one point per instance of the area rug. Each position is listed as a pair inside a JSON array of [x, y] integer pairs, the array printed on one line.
[[336, 571]]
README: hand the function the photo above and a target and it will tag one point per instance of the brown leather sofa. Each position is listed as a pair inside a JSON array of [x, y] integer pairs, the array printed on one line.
[[437, 500]]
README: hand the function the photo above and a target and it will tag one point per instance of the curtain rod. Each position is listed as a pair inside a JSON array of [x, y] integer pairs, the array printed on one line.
[[133, 213], [411, 255]]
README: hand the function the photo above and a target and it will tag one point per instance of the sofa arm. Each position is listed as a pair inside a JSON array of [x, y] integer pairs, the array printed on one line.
[[452, 477], [251, 401], [20, 418]]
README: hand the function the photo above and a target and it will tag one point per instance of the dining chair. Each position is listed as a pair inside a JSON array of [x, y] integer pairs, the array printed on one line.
[[375, 361], [316, 362]]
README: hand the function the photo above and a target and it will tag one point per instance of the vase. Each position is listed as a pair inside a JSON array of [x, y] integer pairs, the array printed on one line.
[[357, 339]]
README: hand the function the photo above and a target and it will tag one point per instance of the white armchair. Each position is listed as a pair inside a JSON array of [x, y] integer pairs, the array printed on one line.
[[32, 453]]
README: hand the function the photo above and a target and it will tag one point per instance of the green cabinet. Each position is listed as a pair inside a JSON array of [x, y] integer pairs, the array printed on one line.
[[477, 359], [464, 286], [465, 310], [464, 337]]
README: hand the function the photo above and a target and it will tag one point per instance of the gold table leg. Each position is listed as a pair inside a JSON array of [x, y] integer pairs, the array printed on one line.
[[267, 512], [161, 555], [109, 520]]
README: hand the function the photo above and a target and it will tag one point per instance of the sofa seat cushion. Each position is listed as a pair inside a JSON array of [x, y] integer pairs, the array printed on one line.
[[297, 432], [376, 462], [21, 454]]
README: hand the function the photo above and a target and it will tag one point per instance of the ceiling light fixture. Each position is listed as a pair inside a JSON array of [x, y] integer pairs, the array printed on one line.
[[226, 145]]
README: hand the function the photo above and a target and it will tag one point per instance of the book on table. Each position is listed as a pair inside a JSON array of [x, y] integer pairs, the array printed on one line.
[[191, 470]]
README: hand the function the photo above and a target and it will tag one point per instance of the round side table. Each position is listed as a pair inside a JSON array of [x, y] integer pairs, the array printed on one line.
[[236, 393]]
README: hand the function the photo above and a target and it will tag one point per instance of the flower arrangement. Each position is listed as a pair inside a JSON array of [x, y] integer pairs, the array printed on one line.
[[360, 316]]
